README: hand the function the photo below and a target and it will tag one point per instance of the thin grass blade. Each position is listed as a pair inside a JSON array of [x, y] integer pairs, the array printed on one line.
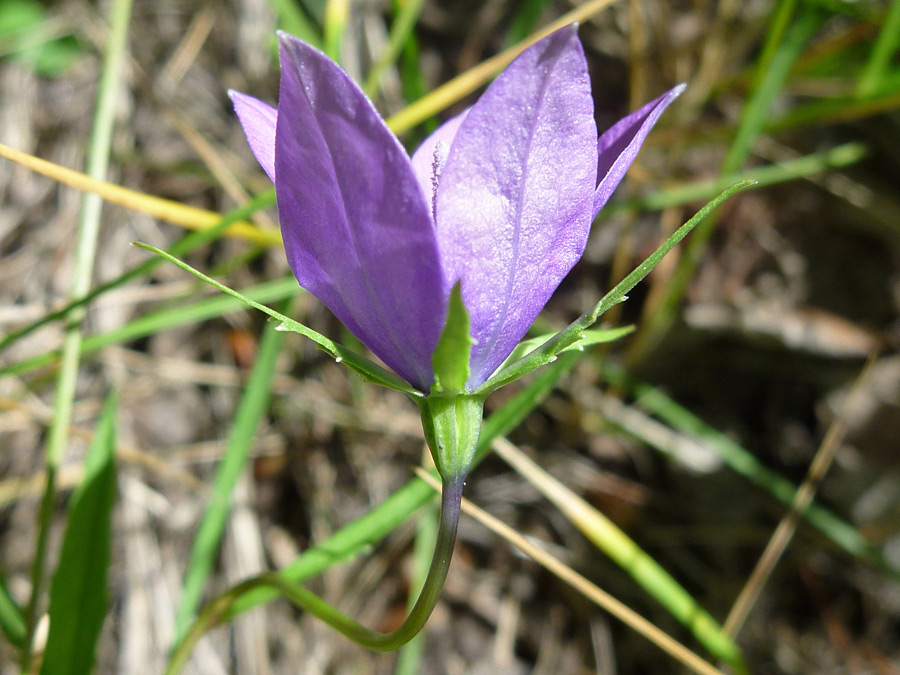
[[806, 166], [337, 12], [623, 550], [591, 591], [168, 211], [78, 595], [292, 19], [886, 46], [252, 407], [771, 81], [12, 620], [401, 29], [178, 315], [85, 252], [839, 531]]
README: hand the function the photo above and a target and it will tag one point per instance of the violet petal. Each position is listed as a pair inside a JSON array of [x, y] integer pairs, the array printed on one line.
[[620, 144], [356, 227], [514, 201], [424, 158], [258, 121]]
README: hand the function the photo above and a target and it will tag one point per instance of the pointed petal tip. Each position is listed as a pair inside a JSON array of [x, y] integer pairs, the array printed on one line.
[[288, 43], [677, 90], [570, 31]]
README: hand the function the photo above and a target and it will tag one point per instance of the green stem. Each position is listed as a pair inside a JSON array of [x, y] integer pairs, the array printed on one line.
[[882, 51], [401, 27], [253, 406], [312, 603]]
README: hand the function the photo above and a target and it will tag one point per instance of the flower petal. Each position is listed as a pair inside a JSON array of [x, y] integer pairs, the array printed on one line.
[[424, 160], [514, 201], [620, 144], [258, 121], [356, 227]]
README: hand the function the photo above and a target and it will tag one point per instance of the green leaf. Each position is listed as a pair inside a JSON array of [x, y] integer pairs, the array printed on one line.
[[12, 621], [251, 410], [78, 594], [18, 16], [292, 19], [451, 356], [26, 36]]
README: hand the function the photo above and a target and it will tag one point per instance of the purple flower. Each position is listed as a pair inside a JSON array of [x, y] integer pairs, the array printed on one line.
[[500, 199]]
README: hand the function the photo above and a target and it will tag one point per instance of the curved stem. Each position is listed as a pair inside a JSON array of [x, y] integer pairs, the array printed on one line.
[[312, 603]]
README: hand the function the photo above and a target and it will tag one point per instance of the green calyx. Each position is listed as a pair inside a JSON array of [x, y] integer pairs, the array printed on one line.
[[451, 416], [452, 425]]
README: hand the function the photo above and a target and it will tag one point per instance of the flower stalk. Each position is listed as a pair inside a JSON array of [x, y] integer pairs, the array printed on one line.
[[213, 613], [452, 425]]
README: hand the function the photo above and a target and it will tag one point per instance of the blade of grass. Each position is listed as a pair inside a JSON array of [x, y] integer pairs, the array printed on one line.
[[414, 84], [12, 621], [833, 111], [574, 331], [524, 21], [88, 228], [839, 531], [78, 595], [182, 247], [334, 25], [178, 315], [293, 20], [770, 82], [622, 550], [778, 25], [401, 28], [355, 537], [886, 45], [783, 534], [252, 407], [764, 176], [600, 597], [772, 77]]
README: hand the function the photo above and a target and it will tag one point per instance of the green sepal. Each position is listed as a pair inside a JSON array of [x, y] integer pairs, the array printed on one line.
[[452, 425], [589, 338], [451, 356]]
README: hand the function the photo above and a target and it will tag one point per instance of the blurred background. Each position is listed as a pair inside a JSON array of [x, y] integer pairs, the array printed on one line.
[[750, 340]]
